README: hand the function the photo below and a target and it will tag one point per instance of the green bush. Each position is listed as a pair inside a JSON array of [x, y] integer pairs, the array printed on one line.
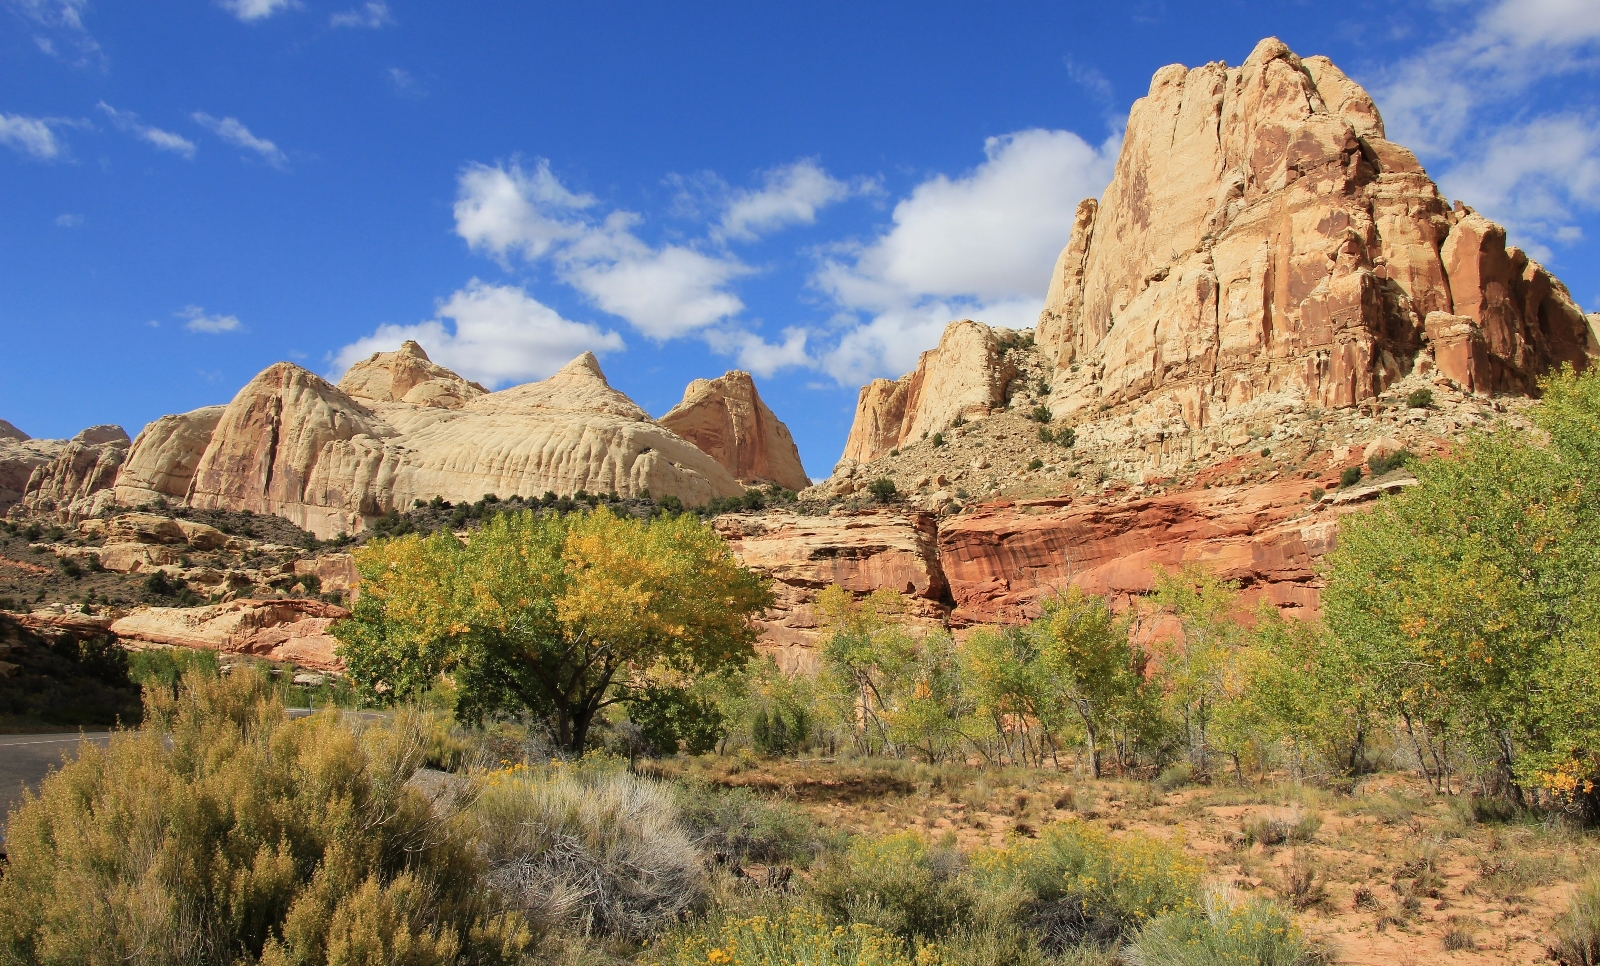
[[882, 489], [1382, 463], [1270, 830], [165, 667], [1076, 885], [221, 833], [1035, 464], [1228, 933], [1419, 399], [1350, 477], [672, 717], [901, 883], [587, 847], [1045, 435], [1175, 776], [1576, 939], [797, 939], [1067, 437], [739, 826], [779, 729], [1041, 414], [937, 439]]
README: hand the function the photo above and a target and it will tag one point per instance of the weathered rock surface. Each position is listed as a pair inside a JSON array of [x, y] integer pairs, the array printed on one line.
[[1262, 235], [860, 552], [286, 629], [294, 445], [56, 475], [965, 376], [409, 376], [726, 419]]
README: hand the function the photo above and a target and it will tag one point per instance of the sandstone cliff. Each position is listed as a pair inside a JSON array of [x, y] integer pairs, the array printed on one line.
[[1262, 236], [56, 475], [726, 418], [399, 429], [964, 377]]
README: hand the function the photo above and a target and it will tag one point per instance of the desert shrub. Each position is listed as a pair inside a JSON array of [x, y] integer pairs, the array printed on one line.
[[1576, 935], [740, 826], [1227, 932], [937, 439], [1382, 463], [900, 883], [796, 938], [1077, 885], [779, 728], [1419, 399], [1270, 830], [1317, 493], [1175, 776], [958, 422], [1350, 477], [587, 847], [1036, 464], [1041, 414], [221, 832], [1485, 810], [1067, 437], [882, 489], [1045, 435]]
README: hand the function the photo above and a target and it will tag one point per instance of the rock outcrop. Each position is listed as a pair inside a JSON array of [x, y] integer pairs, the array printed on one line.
[[327, 459], [726, 419], [284, 629], [58, 475], [860, 552], [964, 377], [1261, 235]]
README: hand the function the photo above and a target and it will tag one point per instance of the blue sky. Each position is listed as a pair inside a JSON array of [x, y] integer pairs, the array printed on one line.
[[191, 190]]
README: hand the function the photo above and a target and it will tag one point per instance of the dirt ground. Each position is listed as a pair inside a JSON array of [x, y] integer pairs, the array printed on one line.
[[1389, 874]]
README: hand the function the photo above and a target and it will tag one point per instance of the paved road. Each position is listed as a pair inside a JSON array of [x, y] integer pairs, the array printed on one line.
[[26, 759]]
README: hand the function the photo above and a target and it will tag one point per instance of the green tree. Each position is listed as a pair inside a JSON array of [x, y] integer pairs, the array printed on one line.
[[560, 616], [1196, 669], [1470, 599], [1087, 660]]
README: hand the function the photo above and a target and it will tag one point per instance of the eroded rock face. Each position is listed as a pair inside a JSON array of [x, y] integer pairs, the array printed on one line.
[[726, 419], [860, 552], [294, 445], [965, 376], [285, 629], [409, 376], [58, 475], [84, 467], [1262, 235]]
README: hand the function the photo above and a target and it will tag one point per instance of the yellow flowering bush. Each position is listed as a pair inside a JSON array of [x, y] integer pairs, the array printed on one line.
[[1228, 932]]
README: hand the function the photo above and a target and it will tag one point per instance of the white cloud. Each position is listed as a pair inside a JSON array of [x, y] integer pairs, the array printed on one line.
[[978, 246], [374, 14], [68, 220], [252, 10], [1533, 174], [759, 356], [791, 195], [163, 140], [31, 136], [62, 21], [663, 292], [196, 320], [404, 83], [229, 129], [1462, 103], [502, 210], [500, 334]]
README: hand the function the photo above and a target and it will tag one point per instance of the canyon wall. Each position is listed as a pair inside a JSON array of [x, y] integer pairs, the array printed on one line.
[[727, 420]]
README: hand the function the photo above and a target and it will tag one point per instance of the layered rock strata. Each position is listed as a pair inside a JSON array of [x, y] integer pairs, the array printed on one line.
[[860, 552], [964, 377], [727, 420], [1261, 235], [399, 428], [283, 629]]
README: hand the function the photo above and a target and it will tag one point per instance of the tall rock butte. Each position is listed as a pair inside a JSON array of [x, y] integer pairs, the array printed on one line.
[[399, 428], [1261, 234], [726, 419]]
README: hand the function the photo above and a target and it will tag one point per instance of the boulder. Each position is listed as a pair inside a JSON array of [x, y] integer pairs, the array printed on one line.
[[727, 420], [133, 558], [201, 536], [288, 629], [142, 528]]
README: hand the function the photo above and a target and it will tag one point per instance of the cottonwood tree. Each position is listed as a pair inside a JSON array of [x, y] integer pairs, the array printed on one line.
[[558, 616], [1471, 598]]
